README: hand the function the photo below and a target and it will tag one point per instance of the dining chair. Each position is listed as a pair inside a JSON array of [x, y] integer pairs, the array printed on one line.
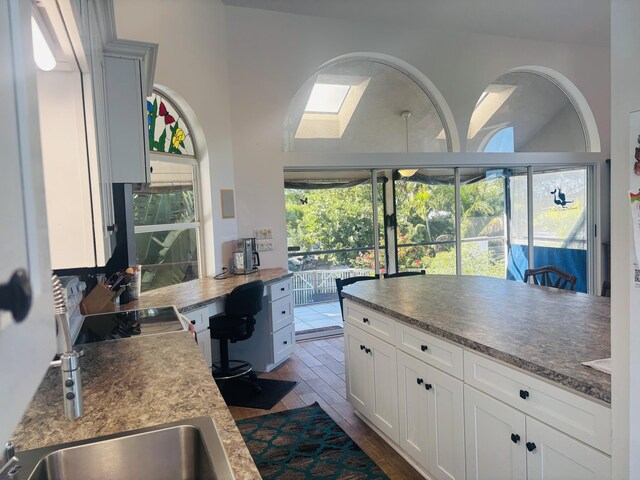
[[551, 276], [403, 274], [343, 282]]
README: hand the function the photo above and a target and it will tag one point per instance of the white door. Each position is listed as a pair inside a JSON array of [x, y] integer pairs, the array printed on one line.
[[384, 405], [495, 438], [412, 400], [26, 347], [357, 368], [555, 456], [445, 411]]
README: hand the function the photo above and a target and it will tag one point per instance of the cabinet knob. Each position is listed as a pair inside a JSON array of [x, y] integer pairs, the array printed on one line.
[[428, 386], [285, 342], [531, 446], [424, 348], [113, 228], [282, 289], [419, 381], [367, 350], [362, 347], [16, 295], [365, 320], [524, 394], [515, 438], [284, 312], [193, 322], [150, 169]]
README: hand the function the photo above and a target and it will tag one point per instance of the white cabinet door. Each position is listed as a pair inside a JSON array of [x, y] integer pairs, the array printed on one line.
[[445, 420], [358, 367], [126, 119], [26, 347], [556, 456], [412, 400], [384, 402], [495, 438]]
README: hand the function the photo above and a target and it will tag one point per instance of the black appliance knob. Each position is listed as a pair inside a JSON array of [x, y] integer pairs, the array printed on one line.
[[68, 383], [16, 295]]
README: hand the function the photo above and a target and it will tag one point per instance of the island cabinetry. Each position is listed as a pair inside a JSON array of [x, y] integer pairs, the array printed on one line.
[[371, 379], [431, 428], [583, 419], [502, 442], [370, 321], [200, 320]]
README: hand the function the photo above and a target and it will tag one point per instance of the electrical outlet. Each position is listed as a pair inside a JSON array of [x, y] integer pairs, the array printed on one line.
[[262, 233], [264, 245]]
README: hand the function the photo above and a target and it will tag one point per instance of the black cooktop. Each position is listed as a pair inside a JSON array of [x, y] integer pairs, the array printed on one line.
[[110, 326]]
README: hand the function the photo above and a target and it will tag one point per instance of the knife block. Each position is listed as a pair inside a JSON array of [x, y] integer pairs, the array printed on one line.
[[100, 300]]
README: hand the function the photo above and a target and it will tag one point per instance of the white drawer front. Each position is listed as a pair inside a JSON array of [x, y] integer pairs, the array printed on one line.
[[577, 416], [284, 342], [280, 289], [434, 351], [199, 318], [281, 312], [370, 321]]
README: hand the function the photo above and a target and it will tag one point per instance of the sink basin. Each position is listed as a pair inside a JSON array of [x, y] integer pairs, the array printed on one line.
[[190, 449]]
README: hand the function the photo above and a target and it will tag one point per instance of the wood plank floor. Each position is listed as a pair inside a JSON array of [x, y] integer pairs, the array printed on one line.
[[318, 367]]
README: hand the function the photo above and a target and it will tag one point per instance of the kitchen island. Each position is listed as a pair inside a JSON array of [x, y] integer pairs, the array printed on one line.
[[488, 375]]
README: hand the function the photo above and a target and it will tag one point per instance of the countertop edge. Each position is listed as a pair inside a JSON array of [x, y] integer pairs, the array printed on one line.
[[544, 373]]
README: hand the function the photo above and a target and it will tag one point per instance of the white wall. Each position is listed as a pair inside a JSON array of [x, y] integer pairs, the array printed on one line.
[[192, 62], [271, 54], [625, 298]]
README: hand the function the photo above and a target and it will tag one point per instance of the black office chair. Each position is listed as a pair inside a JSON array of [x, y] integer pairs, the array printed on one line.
[[343, 282], [544, 276], [606, 289], [234, 325], [404, 274]]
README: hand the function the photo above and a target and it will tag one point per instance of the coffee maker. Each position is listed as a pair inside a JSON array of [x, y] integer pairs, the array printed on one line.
[[246, 258]]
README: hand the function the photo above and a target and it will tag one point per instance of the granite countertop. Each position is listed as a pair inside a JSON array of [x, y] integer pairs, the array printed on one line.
[[189, 296], [135, 383], [545, 331]]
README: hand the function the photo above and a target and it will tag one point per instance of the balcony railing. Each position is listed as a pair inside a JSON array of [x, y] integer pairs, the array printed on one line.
[[311, 286]]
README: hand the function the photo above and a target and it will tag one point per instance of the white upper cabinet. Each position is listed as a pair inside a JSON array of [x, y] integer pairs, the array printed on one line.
[[27, 335], [77, 139]]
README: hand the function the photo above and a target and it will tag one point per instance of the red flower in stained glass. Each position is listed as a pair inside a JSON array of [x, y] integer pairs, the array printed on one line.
[[168, 119]]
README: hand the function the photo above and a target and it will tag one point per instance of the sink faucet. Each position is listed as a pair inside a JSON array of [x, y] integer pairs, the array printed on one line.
[[9, 461], [69, 361]]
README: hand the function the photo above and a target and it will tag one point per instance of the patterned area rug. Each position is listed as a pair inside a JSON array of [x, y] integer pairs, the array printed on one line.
[[305, 444]]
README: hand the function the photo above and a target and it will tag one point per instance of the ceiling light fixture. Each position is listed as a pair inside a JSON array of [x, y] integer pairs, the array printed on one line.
[[407, 172], [42, 53]]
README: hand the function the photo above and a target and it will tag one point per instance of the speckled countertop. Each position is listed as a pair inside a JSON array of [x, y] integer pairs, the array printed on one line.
[[135, 383], [189, 296], [544, 331]]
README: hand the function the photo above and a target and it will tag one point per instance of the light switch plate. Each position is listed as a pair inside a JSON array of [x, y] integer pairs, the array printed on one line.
[[264, 245], [262, 233]]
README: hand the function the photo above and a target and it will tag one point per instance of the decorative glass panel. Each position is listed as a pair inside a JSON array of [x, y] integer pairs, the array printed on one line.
[[168, 130]]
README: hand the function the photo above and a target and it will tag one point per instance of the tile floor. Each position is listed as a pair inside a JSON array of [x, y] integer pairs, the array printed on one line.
[[317, 315]]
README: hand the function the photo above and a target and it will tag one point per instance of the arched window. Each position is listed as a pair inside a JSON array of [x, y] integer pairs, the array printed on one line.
[[364, 105], [166, 211], [541, 117]]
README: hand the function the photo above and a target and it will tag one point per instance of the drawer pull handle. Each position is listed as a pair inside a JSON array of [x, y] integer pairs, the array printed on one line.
[[524, 394], [367, 350], [515, 438], [424, 348], [284, 312], [427, 386], [419, 381], [282, 289], [531, 446], [362, 347], [365, 319], [284, 343]]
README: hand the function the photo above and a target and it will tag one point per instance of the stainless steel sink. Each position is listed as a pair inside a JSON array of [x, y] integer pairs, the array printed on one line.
[[189, 449]]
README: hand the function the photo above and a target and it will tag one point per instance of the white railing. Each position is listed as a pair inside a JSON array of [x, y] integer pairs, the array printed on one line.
[[308, 283]]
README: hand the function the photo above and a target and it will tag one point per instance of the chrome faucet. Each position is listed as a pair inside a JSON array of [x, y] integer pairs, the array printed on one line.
[[69, 361], [9, 461]]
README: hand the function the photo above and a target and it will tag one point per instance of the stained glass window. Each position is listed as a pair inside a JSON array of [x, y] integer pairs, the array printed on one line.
[[169, 132]]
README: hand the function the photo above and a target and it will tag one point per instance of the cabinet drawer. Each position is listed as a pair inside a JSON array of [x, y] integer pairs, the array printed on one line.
[[281, 312], [369, 320], [280, 289], [284, 342], [579, 417], [434, 351], [199, 318]]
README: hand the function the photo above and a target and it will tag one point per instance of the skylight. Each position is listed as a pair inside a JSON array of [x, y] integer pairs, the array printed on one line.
[[326, 98]]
